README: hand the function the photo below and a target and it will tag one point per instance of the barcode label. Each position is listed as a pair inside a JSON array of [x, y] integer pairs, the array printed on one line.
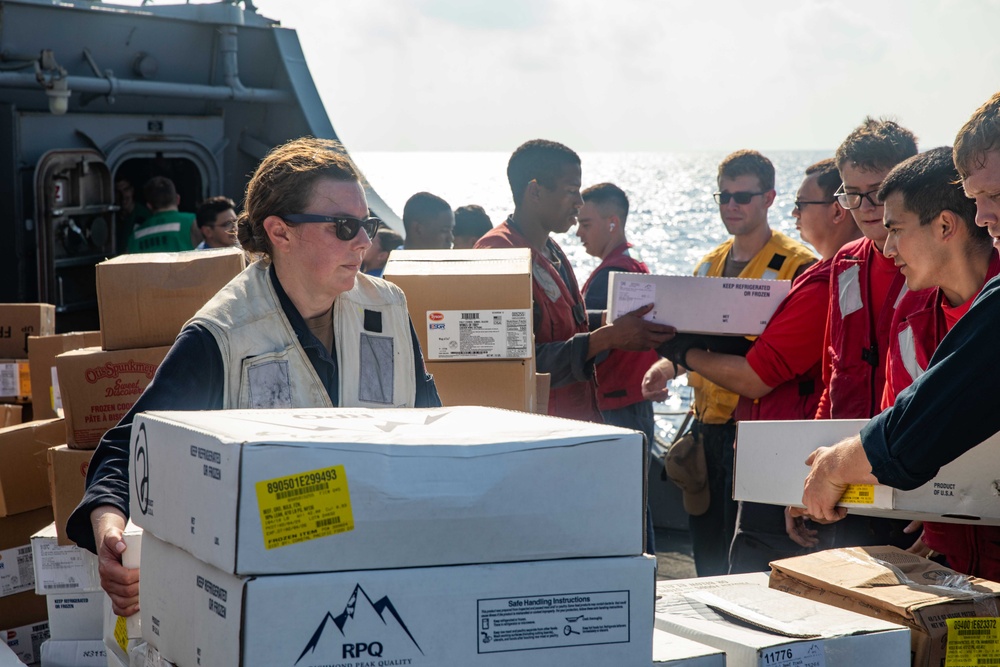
[[301, 491]]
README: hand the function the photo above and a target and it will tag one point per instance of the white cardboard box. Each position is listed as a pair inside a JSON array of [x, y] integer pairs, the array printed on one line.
[[84, 653], [26, 641], [8, 658], [76, 616], [62, 569], [775, 629], [280, 491], [580, 612], [672, 650], [698, 304], [770, 468]]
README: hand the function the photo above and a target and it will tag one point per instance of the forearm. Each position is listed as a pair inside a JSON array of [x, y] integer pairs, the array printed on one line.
[[567, 361], [729, 371]]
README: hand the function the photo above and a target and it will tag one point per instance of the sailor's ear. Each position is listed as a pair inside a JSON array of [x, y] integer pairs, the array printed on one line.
[[277, 231], [946, 225]]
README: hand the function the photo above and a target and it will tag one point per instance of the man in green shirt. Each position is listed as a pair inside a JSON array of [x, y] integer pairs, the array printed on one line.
[[167, 229]]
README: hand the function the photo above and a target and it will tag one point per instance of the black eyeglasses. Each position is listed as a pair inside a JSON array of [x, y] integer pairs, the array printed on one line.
[[801, 203], [853, 200], [722, 198], [347, 227]]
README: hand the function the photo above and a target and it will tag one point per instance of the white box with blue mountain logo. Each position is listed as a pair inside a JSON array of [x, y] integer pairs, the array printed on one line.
[[282, 491], [578, 612]]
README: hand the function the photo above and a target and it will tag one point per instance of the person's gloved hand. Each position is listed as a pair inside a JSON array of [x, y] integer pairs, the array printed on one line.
[[676, 348], [737, 345]]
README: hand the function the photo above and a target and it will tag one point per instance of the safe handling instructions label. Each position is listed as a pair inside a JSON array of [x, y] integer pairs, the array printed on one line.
[[972, 642], [482, 334], [302, 507], [552, 621], [859, 494]]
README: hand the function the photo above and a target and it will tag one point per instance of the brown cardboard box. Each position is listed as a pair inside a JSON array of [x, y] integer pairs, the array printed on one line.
[[98, 387], [42, 351], [145, 299], [20, 320], [10, 415], [15, 380], [893, 585], [543, 385], [67, 482], [24, 479], [508, 384], [462, 280]]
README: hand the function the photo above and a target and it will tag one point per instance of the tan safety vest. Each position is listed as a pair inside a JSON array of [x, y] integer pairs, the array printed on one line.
[[779, 259], [267, 368]]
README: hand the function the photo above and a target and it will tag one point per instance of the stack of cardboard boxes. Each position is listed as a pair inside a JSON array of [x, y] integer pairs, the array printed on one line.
[[472, 313], [449, 537], [24, 509]]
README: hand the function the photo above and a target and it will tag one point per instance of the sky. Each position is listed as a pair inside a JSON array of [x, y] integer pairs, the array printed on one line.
[[642, 75]]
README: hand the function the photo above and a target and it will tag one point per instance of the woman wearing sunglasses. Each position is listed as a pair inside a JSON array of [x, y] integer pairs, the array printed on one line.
[[300, 327]]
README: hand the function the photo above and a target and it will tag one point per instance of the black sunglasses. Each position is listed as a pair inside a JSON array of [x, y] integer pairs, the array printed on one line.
[[802, 203], [723, 197], [347, 227]]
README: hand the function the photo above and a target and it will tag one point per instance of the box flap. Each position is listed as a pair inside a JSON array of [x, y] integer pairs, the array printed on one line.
[[886, 578]]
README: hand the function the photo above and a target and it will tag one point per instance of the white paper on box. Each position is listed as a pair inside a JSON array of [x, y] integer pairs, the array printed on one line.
[[76, 616], [275, 491], [671, 650], [26, 641], [10, 379], [964, 491], [479, 334], [698, 304], [56, 396], [17, 570], [62, 569], [788, 631], [84, 653], [579, 612]]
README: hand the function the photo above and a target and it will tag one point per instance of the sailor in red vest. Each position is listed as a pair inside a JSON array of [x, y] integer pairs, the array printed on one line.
[[865, 288], [619, 373], [780, 376], [934, 240], [545, 181]]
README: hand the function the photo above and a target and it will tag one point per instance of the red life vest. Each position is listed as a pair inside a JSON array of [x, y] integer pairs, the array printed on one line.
[[561, 315], [619, 376], [856, 349], [797, 398], [919, 326]]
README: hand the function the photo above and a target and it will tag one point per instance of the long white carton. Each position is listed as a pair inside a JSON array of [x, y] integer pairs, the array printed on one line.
[[698, 304], [281, 491], [671, 650], [770, 468], [62, 569], [121, 634], [760, 627], [8, 658], [579, 612], [83, 653]]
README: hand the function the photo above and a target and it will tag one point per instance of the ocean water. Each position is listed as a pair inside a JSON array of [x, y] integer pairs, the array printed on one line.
[[673, 220]]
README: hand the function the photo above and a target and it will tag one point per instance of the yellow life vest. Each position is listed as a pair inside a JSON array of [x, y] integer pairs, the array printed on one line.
[[779, 259]]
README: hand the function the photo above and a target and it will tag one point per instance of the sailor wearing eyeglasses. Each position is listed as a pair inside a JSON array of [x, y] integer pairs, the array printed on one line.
[[216, 218], [746, 192], [300, 327]]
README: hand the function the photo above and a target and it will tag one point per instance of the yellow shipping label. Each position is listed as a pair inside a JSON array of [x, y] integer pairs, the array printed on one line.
[[121, 632], [304, 507], [859, 494], [972, 642]]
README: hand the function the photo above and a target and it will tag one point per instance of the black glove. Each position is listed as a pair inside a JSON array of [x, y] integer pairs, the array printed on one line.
[[676, 348], [738, 345]]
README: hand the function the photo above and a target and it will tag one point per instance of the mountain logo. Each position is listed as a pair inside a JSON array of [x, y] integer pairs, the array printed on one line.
[[362, 617]]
